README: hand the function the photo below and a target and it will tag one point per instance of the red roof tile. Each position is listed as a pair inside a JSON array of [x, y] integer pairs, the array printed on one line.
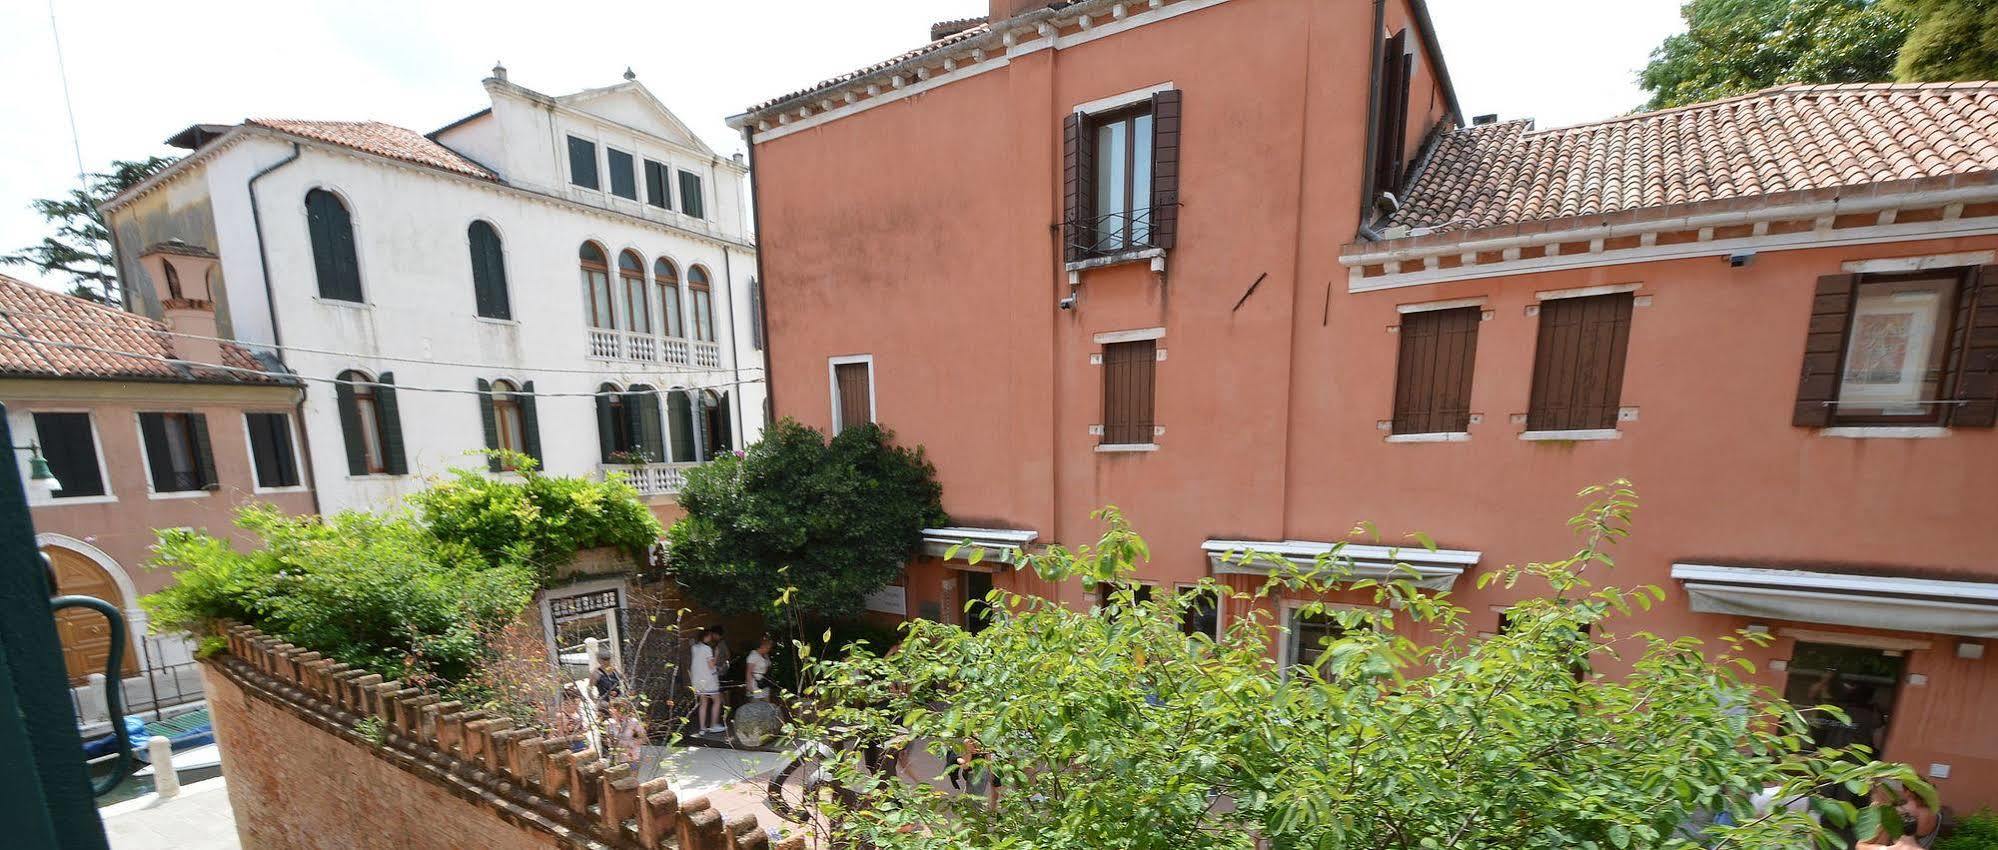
[[960, 37], [380, 139], [24, 309], [1779, 140]]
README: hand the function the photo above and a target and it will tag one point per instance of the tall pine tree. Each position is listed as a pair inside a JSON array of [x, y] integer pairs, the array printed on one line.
[[81, 245]]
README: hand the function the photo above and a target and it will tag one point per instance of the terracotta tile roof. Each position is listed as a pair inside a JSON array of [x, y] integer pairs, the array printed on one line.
[[1780, 140], [946, 29], [23, 307], [965, 35], [381, 140]]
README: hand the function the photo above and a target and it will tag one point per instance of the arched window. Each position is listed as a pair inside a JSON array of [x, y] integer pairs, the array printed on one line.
[[371, 423], [332, 233], [703, 302], [680, 420], [666, 279], [716, 428], [173, 280], [596, 282], [613, 428], [508, 414], [641, 410], [631, 278], [488, 271]]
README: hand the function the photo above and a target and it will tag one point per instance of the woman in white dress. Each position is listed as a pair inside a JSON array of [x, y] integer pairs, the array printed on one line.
[[706, 679]]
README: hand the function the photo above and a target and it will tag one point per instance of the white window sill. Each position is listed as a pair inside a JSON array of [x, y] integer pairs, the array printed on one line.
[[493, 320], [1121, 448], [179, 494], [272, 491], [1886, 432], [1576, 436], [348, 305], [376, 476], [1155, 254], [52, 502], [1434, 437]]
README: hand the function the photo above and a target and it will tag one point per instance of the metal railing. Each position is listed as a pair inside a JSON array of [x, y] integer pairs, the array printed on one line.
[[1111, 233], [168, 676], [651, 348], [652, 479]]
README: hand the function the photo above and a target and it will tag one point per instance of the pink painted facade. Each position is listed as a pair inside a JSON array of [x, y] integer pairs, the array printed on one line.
[[913, 226]]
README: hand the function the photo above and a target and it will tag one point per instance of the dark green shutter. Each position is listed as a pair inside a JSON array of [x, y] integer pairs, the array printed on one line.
[[606, 426], [680, 413], [204, 451], [725, 441], [331, 229], [650, 436], [391, 425], [489, 272], [530, 427], [491, 423], [350, 426], [632, 424], [152, 428]]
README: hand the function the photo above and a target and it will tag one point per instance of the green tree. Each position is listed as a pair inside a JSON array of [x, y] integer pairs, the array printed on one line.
[[1111, 728], [1733, 47], [81, 246], [1952, 40], [819, 523], [540, 520]]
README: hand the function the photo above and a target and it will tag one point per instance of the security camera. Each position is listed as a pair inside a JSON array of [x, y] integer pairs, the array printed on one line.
[[1067, 303], [1739, 258]]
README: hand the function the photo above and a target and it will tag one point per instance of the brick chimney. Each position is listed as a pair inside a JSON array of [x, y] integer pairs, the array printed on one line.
[[181, 274], [1003, 9]]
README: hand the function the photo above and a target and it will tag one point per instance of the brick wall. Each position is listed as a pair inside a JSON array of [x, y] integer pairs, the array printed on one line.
[[301, 776]]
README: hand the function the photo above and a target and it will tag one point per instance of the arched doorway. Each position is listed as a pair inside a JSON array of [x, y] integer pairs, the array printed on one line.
[[86, 638]]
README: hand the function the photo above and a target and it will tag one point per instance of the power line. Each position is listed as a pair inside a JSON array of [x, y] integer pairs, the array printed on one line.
[[62, 74], [340, 381], [355, 355]]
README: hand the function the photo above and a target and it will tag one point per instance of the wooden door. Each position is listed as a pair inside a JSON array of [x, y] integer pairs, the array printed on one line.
[[86, 637]]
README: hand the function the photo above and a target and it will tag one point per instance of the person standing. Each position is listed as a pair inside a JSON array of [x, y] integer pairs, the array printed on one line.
[[626, 731], [705, 676], [757, 667]]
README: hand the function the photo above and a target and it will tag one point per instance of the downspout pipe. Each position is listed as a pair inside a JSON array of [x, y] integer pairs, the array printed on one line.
[[1374, 108], [762, 280], [270, 302], [734, 354]]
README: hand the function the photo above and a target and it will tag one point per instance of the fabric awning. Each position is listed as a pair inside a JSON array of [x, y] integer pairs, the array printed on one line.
[[994, 545], [1433, 569], [1935, 606]]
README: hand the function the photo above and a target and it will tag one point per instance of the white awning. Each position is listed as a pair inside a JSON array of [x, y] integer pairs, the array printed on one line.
[[1434, 569], [1935, 606], [993, 545]]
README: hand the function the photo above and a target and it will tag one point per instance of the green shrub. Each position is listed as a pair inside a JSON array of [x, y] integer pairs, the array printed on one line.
[[376, 591], [540, 520], [1977, 831]]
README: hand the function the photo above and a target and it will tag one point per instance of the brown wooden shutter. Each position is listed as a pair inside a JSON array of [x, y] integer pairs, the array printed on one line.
[[1391, 127], [1077, 174], [1128, 389], [1165, 168], [1824, 351], [1433, 374], [854, 394], [1977, 376], [1578, 363]]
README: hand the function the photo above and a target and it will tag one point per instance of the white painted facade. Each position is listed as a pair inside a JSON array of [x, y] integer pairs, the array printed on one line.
[[418, 319]]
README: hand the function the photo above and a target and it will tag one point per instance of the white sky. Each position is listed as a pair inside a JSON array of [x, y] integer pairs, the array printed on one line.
[[140, 71]]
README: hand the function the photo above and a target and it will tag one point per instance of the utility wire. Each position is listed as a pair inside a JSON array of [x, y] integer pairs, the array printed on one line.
[[62, 74], [338, 381], [355, 355]]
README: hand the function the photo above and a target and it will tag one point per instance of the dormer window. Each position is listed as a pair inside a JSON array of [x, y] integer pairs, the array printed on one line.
[[623, 173]]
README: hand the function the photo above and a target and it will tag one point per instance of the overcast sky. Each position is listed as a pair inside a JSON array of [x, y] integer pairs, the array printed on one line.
[[139, 71]]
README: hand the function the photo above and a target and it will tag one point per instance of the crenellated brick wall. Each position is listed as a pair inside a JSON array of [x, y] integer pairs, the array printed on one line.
[[302, 776]]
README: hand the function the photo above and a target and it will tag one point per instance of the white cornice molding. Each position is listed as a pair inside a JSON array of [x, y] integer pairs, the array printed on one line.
[[557, 104]]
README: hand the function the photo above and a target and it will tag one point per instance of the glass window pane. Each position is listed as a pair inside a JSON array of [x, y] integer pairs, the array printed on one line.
[[704, 327], [1141, 179], [582, 162], [601, 314], [669, 308], [623, 180], [1110, 177], [1895, 350], [636, 316]]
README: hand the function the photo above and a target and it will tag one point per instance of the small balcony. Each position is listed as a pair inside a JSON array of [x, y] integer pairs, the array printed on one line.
[[634, 347], [652, 479]]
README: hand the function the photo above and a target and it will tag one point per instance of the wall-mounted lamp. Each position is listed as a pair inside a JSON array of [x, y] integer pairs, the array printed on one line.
[[39, 475]]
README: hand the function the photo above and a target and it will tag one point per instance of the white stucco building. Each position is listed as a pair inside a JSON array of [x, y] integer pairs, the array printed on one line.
[[572, 277]]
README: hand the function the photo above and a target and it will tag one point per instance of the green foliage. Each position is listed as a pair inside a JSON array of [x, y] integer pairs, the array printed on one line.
[[378, 592], [538, 519], [820, 523], [1952, 40], [211, 645], [81, 246], [1977, 831], [1110, 728], [1734, 47], [372, 728]]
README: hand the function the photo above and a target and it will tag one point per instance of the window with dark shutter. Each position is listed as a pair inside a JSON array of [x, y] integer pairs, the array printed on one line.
[[70, 446], [1391, 127], [1901, 349], [691, 200], [271, 449], [1432, 388], [1128, 371], [1578, 362], [680, 424], [488, 271], [388, 419], [853, 394], [179, 455], [371, 423], [657, 191], [611, 440], [623, 173], [583, 162], [648, 437], [755, 314], [331, 230], [1121, 178], [530, 422]]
